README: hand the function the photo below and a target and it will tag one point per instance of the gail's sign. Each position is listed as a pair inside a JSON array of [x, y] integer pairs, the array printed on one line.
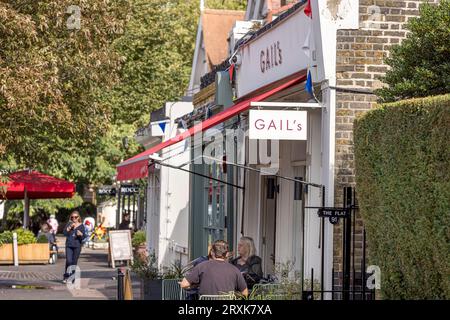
[[275, 54], [277, 125], [271, 57]]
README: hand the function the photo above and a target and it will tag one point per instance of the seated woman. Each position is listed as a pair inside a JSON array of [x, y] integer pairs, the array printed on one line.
[[45, 231], [248, 262]]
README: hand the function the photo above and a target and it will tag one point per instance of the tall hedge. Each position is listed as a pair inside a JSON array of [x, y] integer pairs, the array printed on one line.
[[402, 159]]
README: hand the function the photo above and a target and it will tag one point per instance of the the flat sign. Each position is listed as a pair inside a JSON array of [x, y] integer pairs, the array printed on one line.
[[333, 214], [120, 245], [278, 125]]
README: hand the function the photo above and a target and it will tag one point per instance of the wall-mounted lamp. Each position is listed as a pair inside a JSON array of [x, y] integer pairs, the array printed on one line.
[[298, 189]]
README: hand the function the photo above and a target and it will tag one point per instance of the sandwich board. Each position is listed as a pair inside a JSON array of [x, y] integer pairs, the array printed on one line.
[[120, 247]]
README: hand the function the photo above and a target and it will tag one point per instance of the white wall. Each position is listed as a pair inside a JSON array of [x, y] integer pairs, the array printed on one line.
[[313, 174], [173, 207], [107, 213]]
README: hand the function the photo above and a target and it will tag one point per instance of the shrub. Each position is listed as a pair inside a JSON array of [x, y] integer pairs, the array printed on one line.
[[402, 160], [42, 239], [23, 237], [139, 238], [6, 237], [146, 267]]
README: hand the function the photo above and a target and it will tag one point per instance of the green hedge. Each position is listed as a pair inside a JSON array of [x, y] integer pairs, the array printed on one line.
[[402, 159]]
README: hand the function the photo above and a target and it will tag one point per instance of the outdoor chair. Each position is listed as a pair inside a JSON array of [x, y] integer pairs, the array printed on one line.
[[218, 297], [273, 291], [171, 290]]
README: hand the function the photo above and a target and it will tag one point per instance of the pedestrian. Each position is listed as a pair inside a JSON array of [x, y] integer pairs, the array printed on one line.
[[216, 276], [75, 233], [125, 224], [248, 263], [89, 226], [45, 231], [53, 223], [192, 292]]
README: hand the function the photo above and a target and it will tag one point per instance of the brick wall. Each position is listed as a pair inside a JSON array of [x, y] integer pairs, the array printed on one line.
[[360, 63]]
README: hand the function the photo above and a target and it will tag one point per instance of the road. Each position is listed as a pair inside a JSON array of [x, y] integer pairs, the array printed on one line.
[[44, 282]]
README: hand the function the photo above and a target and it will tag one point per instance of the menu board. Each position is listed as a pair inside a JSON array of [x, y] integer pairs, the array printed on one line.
[[120, 245]]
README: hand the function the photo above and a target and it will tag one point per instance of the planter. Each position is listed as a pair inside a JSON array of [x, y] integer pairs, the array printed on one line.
[[151, 289], [6, 254], [35, 253]]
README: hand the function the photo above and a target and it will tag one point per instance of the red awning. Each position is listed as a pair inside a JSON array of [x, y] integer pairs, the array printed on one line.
[[37, 185], [137, 166]]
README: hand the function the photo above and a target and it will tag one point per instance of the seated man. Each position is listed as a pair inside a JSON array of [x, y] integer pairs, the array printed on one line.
[[216, 276]]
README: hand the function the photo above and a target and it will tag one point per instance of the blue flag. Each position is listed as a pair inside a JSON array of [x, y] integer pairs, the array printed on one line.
[[309, 85], [162, 125]]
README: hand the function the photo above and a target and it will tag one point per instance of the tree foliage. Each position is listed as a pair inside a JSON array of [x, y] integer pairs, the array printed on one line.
[[226, 4], [50, 74], [420, 65], [157, 48], [402, 162], [69, 96]]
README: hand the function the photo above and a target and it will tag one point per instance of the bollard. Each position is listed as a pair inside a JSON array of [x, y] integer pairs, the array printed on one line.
[[15, 250], [120, 284]]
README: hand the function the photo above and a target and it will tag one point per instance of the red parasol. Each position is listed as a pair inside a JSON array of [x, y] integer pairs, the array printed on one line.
[[30, 184]]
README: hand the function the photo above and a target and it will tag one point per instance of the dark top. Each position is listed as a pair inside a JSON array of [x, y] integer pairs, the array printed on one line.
[[216, 277], [192, 292], [251, 270], [48, 235], [72, 239], [124, 225]]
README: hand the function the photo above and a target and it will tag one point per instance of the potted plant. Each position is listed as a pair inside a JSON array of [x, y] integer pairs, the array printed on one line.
[[139, 244], [146, 268]]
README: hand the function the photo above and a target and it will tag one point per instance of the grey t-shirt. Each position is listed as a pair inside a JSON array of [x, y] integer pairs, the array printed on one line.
[[216, 277]]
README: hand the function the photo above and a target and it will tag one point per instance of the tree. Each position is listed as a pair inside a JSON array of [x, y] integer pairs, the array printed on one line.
[[157, 49], [68, 97], [420, 65], [226, 4], [52, 69]]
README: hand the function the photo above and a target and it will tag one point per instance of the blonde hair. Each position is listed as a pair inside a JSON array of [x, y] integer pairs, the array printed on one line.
[[249, 245]]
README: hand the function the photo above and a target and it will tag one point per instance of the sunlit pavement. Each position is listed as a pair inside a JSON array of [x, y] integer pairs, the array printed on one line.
[[42, 282]]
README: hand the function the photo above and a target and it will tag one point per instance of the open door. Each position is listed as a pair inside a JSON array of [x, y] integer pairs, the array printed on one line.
[[299, 219], [268, 222]]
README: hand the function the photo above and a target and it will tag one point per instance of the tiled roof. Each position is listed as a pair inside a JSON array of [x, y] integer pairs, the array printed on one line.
[[216, 25]]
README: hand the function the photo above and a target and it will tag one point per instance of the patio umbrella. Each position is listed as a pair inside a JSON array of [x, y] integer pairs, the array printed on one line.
[[28, 184]]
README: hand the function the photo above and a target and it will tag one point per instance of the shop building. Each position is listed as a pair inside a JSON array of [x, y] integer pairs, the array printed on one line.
[[319, 58]]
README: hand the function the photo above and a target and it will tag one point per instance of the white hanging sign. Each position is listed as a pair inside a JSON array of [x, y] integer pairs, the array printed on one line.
[[278, 125]]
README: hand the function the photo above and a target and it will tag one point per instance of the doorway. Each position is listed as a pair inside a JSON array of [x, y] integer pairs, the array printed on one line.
[[298, 219], [269, 191]]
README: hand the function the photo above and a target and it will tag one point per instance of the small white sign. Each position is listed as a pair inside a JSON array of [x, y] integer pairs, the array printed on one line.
[[120, 245], [278, 125], [159, 128]]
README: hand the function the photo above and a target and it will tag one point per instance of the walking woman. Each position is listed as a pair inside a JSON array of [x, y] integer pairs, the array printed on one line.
[[75, 233]]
